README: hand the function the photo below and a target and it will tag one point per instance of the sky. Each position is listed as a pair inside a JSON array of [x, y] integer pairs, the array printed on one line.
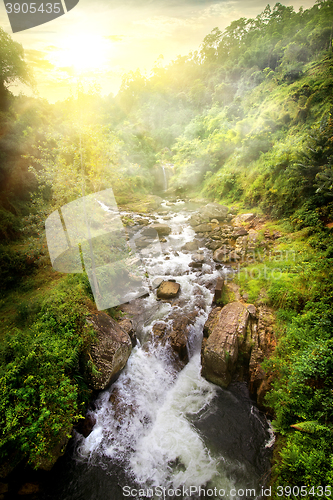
[[98, 41]]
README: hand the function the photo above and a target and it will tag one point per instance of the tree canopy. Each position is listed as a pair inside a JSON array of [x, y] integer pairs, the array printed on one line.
[[12, 65]]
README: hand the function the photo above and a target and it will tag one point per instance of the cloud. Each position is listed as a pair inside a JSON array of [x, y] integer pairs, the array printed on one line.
[[115, 38], [37, 59]]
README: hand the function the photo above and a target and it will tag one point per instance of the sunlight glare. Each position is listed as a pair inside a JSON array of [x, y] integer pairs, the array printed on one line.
[[83, 52]]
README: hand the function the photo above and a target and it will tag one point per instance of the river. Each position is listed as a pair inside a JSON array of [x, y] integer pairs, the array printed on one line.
[[169, 432]]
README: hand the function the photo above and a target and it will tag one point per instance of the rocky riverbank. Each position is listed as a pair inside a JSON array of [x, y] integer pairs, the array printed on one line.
[[201, 251]]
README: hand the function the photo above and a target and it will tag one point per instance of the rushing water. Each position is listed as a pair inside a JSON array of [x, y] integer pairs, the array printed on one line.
[[166, 428]]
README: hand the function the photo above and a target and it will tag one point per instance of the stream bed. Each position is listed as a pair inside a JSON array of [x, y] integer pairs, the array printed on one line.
[[162, 431]]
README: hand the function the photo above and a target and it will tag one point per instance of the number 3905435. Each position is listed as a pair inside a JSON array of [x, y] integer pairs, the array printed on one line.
[[31, 8]]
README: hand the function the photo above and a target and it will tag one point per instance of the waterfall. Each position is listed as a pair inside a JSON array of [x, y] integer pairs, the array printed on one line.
[[165, 181]]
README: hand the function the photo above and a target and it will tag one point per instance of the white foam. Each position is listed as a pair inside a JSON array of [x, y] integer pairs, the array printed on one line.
[[148, 425]]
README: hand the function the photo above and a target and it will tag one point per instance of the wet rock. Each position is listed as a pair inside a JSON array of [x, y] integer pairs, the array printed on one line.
[[111, 350], [239, 231], [225, 254], [226, 334], [86, 426], [155, 201], [211, 321], [156, 282], [198, 257], [218, 289], [190, 246], [177, 338], [28, 489], [127, 325], [220, 254], [252, 239], [195, 220], [252, 310], [176, 334], [241, 243], [142, 222], [242, 218], [154, 229], [203, 228], [233, 256], [213, 245], [162, 229], [195, 265], [168, 290], [121, 408], [264, 342], [215, 211]]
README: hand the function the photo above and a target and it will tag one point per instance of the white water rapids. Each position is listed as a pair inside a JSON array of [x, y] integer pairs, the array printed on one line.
[[169, 428]]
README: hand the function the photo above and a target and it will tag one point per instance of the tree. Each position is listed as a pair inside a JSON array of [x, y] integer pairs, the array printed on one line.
[[12, 66]]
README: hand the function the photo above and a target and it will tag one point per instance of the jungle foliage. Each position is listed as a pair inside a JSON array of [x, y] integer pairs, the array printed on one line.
[[247, 118]]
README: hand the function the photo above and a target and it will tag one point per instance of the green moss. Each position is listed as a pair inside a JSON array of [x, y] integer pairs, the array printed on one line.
[[227, 295]]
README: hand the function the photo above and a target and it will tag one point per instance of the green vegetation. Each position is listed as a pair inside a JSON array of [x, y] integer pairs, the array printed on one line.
[[294, 277], [246, 120], [43, 359]]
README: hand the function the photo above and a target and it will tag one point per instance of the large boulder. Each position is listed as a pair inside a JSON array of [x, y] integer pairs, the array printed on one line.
[[213, 245], [226, 332], [127, 325], [242, 218], [190, 246], [199, 257], [218, 289], [47, 462], [239, 231], [175, 333], [160, 229], [154, 201], [214, 211], [195, 220], [110, 351], [86, 425], [203, 228], [168, 290], [226, 254]]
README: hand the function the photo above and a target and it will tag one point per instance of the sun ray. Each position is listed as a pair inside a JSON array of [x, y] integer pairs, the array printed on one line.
[[84, 52]]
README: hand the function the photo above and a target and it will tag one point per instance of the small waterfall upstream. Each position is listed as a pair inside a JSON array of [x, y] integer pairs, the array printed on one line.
[[158, 427], [165, 181]]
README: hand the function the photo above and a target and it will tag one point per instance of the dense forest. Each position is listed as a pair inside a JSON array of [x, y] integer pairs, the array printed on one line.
[[245, 120]]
